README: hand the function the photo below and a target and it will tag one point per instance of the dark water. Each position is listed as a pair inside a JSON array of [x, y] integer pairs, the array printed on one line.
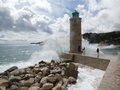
[[15, 53]]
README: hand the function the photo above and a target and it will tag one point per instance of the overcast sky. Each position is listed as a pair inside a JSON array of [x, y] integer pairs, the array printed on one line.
[[37, 19]]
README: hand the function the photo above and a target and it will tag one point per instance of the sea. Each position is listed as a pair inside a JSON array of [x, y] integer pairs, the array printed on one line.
[[26, 54]]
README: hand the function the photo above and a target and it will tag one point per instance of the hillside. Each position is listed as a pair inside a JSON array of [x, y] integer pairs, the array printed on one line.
[[103, 38]]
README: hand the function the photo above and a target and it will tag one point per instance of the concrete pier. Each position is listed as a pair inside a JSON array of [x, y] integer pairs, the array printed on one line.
[[98, 63], [109, 63]]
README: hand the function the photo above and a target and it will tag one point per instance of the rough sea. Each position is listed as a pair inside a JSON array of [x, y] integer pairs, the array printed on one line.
[[23, 55]]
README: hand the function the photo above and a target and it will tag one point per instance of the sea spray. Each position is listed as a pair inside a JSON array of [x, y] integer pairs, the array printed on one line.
[[58, 44], [32, 54], [46, 56], [51, 50], [88, 78]]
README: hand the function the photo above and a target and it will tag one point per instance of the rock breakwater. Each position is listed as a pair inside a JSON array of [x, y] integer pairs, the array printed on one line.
[[41, 76]]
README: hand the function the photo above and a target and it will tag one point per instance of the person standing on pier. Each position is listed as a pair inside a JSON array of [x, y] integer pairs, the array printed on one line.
[[84, 50], [98, 52]]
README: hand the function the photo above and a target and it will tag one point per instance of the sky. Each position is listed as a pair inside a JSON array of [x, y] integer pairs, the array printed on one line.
[[35, 20]]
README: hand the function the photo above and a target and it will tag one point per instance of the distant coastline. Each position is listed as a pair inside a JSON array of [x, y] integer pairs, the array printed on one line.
[[103, 38]]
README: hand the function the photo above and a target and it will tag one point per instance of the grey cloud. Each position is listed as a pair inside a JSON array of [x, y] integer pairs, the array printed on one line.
[[2, 36], [62, 30], [23, 22], [42, 24], [8, 23], [6, 20], [117, 26]]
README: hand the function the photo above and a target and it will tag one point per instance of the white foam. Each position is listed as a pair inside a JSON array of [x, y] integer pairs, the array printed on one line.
[[20, 64], [34, 59], [51, 50], [88, 79], [45, 56]]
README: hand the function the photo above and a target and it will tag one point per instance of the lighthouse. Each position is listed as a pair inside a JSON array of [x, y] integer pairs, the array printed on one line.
[[75, 33]]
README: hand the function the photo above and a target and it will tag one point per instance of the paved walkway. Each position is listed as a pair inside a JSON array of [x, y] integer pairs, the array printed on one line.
[[103, 56], [109, 79]]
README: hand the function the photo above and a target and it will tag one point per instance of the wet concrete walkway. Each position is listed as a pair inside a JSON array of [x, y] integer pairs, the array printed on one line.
[[109, 79], [102, 56]]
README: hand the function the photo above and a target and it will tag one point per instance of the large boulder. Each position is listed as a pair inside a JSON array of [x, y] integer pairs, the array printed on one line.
[[36, 84], [37, 66], [29, 71], [14, 78], [52, 79], [14, 87], [58, 86], [36, 70], [4, 82], [34, 88], [23, 88], [65, 82], [63, 73], [46, 71], [11, 69], [63, 64], [14, 83], [47, 86], [38, 78], [63, 88], [27, 76], [59, 77], [43, 80], [2, 88], [56, 71], [71, 80], [18, 72], [27, 83], [40, 73]]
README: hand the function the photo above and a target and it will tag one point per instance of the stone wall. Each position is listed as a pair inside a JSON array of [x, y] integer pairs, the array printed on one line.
[[89, 61], [117, 74]]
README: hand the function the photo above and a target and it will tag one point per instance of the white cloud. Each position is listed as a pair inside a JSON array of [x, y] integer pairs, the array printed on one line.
[[41, 23], [100, 16], [30, 18], [61, 25], [41, 4]]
